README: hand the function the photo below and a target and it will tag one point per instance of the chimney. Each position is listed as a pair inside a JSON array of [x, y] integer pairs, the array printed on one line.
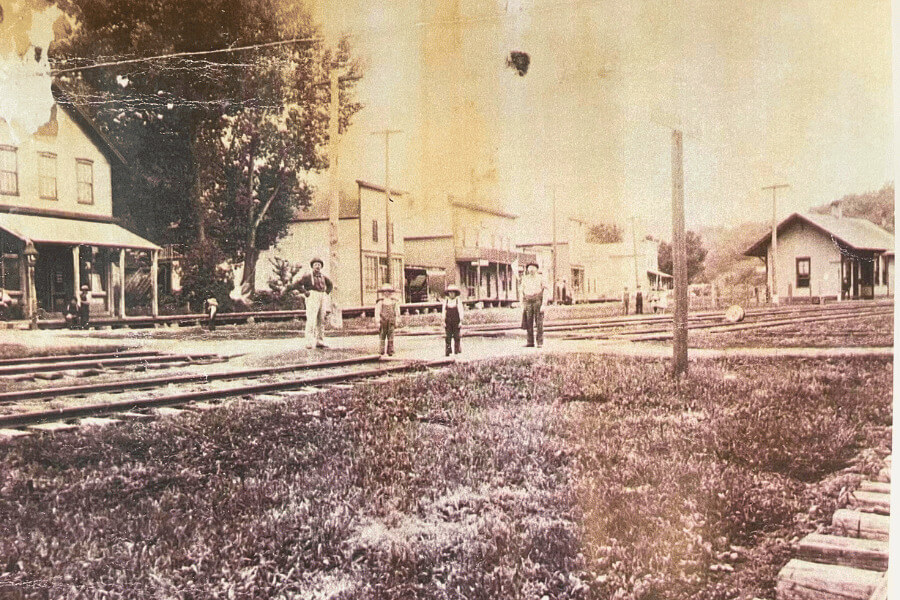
[[837, 210]]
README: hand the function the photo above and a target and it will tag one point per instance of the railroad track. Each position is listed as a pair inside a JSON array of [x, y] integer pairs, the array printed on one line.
[[851, 562], [157, 394]]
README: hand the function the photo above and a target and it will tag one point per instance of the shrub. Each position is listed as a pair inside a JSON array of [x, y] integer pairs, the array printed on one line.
[[202, 277]]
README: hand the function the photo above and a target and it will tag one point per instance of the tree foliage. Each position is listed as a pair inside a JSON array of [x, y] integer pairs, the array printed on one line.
[[877, 206], [696, 254], [219, 144], [604, 233]]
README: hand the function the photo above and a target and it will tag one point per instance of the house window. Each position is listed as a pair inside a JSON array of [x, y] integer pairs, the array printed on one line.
[[374, 230], [9, 264], [803, 272], [9, 171], [85, 173], [47, 175]]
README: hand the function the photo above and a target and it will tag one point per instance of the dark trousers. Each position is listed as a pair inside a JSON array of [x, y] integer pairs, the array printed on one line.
[[85, 319], [386, 333], [451, 334], [639, 304], [534, 320]]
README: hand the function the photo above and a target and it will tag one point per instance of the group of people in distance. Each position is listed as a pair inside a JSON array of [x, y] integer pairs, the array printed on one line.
[[316, 288], [78, 310]]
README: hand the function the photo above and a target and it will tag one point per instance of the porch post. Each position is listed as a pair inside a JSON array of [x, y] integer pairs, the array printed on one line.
[[110, 302], [154, 282], [76, 269], [122, 282]]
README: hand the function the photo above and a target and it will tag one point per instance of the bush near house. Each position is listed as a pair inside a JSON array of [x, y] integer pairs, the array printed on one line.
[[570, 477]]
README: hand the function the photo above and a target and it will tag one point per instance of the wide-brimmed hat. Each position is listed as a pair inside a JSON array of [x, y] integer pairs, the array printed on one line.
[[316, 260], [386, 287], [85, 288], [453, 288], [528, 264]]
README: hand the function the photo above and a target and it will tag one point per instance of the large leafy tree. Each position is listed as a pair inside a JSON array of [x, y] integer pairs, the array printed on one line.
[[219, 144], [696, 254]]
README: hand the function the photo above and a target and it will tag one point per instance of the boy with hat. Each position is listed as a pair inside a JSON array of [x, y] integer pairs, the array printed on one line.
[[452, 310], [534, 291], [387, 316], [315, 285]]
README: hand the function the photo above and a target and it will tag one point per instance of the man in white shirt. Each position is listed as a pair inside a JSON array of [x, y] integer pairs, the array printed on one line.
[[534, 292]]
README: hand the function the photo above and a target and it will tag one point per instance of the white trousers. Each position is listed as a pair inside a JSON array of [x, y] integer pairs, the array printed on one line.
[[315, 319]]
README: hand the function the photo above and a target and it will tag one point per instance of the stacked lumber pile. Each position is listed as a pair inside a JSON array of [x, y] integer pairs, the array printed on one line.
[[851, 563]]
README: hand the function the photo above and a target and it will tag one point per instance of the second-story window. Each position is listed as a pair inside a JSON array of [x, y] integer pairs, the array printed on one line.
[[47, 175], [85, 174], [374, 230], [9, 171]]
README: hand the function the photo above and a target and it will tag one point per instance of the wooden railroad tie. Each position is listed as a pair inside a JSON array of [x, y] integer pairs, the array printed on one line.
[[851, 563]]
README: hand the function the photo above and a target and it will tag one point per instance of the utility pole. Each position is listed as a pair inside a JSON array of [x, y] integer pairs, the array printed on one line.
[[334, 208], [387, 197], [679, 256], [634, 253], [773, 293], [553, 206]]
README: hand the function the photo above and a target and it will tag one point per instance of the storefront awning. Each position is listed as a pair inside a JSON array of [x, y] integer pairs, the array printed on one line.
[[71, 232]]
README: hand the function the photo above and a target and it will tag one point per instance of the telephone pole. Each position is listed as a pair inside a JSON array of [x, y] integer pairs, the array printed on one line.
[[553, 206], [387, 196], [773, 293], [679, 256], [634, 253]]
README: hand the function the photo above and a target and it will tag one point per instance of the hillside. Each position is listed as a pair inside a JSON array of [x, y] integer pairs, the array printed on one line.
[[877, 206]]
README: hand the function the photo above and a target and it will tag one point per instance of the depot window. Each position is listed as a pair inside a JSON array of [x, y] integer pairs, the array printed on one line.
[[803, 272]]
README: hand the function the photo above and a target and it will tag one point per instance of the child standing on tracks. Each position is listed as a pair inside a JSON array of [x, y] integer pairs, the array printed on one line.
[[452, 309], [387, 317]]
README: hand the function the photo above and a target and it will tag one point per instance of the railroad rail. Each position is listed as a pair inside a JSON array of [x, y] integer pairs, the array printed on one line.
[[132, 405]]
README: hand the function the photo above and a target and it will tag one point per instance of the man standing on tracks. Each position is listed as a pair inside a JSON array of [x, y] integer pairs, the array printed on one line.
[[315, 286], [534, 292]]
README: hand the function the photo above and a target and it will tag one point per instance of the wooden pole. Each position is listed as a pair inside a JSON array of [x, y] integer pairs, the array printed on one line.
[[122, 282], [773, 294], [679, 255], [154, 283], [334, 208], [76, 270], [553, 204], [387, 197]]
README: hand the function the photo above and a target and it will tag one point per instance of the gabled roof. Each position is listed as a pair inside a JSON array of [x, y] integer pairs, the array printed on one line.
[[318, 209], [851, 232], [65, 101], [378, 188], [482, 209]]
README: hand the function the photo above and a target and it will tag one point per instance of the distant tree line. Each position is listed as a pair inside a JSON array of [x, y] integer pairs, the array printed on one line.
[[877, 206]]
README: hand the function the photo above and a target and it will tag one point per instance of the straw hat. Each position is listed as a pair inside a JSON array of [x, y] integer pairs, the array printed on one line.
[[316, 260], [453, 288], [386, 287]]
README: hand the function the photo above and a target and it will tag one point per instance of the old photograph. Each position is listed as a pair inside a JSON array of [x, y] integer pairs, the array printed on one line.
[[446, 299]]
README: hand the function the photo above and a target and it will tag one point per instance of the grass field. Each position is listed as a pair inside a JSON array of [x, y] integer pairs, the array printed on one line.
[[565, 477]]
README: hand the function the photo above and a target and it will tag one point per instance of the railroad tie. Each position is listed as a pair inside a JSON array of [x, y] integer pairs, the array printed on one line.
[[851, 563]]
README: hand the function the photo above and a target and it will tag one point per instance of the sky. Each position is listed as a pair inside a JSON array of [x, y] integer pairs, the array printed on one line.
[[795, 92]]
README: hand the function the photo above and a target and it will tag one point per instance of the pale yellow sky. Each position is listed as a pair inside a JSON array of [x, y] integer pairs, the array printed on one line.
[[768, 92]]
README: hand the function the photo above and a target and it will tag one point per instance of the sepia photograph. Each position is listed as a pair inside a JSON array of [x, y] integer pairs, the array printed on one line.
[[447, 299]]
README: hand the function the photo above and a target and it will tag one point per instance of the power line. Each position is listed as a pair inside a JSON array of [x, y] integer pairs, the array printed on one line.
[[186, 54]]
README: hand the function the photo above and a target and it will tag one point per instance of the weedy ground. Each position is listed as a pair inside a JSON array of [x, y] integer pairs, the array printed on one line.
[[566, 477], [876, 330]]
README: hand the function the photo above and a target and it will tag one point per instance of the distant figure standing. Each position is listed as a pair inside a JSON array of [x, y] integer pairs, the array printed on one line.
[[315, 285], [626, 296], [534, 292], [638, 301], [71, 314], [387, 317], [212, 309], [85, 307], [452, 308]]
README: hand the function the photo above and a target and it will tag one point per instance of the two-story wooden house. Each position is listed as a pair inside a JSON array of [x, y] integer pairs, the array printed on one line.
[[56, 212], [363, 240]]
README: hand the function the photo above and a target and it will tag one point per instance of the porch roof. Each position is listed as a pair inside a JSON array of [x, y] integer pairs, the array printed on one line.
[[71, 232]]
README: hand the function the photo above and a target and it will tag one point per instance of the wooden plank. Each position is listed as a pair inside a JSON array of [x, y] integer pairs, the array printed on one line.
[[871, 502], [849, 552], [881, 590], [875, 486], [802, 580], [859, 524]]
